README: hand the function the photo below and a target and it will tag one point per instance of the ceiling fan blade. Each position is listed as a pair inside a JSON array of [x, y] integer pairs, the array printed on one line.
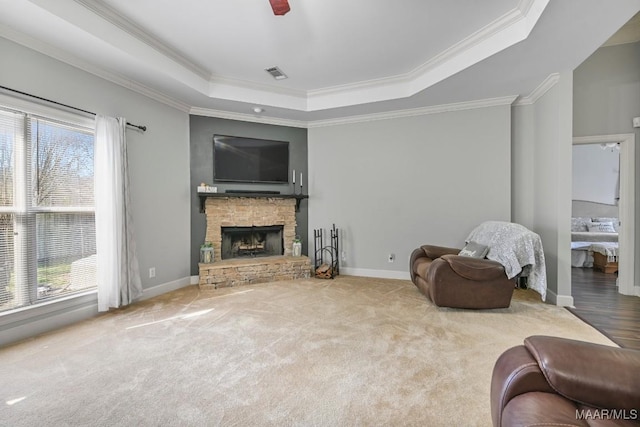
[[280, 7]]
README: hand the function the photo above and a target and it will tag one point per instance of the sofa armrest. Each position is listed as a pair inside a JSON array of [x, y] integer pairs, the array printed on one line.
[[596, 375], [427, 251], [515, 372], [435, 252], [478, 269]]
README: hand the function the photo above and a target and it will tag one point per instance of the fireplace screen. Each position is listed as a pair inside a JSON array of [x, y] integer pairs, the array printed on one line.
[[247, 242]]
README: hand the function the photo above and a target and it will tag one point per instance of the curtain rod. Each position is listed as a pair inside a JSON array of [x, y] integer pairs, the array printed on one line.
[[142, 128]]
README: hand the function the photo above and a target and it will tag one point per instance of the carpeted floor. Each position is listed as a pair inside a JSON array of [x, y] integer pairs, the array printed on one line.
[[343, 352]]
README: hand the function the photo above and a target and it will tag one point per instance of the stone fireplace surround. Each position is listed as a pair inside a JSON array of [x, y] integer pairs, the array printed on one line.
[[251, 211]]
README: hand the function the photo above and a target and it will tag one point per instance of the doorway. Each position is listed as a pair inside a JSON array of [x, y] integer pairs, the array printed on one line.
[[626, 236]]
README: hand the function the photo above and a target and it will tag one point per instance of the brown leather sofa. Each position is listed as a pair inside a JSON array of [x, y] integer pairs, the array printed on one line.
[[451, 280], [551, 381]]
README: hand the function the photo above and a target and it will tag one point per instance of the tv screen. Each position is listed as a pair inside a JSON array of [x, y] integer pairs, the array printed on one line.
[[240, 159]]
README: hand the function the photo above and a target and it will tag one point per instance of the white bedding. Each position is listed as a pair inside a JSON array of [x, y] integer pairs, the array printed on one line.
[[582, 252], [582, 240], [608, 249], [581, 258]]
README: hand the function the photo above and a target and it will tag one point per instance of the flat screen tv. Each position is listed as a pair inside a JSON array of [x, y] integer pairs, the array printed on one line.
[[238, 159]]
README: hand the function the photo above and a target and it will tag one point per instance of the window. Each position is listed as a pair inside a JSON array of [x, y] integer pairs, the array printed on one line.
[[47, 225]]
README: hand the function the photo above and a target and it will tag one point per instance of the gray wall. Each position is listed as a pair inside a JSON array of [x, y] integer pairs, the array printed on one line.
[[158, 164], [552, 188], [606, 97], [201, 142], [542, 180], [392, 185]]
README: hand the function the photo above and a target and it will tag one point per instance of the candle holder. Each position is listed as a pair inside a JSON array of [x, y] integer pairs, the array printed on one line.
[[301, 192]]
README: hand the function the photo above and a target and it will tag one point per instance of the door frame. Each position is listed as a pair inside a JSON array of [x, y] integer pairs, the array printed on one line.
[[626, 207]]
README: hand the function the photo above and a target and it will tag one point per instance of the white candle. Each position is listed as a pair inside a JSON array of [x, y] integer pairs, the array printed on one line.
[[300, 179], [294, 176]]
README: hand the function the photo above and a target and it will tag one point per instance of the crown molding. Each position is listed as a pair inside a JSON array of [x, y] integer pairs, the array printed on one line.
[[483, 103], [509, 19], [257, 94], [110, 15], [248, 84], [65, 57], [220, 114], [510, 28], [537, 93], [74, 61]]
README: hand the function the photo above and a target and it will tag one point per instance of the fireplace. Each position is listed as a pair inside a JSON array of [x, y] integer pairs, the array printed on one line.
[[250, 242], [261, 230]]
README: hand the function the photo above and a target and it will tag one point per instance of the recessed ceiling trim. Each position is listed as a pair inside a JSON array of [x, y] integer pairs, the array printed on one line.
[[507, 30], [483, 103], [542, 88], [98, 29], [207, 112], [502, 33], [116, 19], [257, 94], [83, 65], [236, 83]]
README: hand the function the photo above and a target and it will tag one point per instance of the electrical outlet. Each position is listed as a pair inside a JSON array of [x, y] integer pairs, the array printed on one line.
[[152, 272], [343, 256], [392, 257]]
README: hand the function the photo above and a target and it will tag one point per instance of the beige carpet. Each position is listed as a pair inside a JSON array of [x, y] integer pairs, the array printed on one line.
[[344, 352]]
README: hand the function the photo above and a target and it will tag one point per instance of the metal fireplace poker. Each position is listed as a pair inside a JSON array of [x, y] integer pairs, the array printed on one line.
[[327, 264]]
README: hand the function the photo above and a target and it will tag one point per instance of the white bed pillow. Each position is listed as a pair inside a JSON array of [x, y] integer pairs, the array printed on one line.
[[579, 223], [612, 220], [601, 227]]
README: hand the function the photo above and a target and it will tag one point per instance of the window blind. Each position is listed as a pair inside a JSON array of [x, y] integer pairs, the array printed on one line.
[[47, 226]]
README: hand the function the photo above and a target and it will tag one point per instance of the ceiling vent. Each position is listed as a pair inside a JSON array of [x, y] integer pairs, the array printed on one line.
[[276, 73]]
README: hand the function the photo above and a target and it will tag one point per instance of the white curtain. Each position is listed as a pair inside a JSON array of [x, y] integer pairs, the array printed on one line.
[[117, 270]]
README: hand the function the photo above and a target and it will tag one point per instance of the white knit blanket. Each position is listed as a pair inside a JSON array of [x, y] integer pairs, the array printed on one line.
[[517, 248], [608, 249]]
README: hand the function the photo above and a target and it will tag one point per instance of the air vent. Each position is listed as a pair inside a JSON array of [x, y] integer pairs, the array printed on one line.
[[276, 73]]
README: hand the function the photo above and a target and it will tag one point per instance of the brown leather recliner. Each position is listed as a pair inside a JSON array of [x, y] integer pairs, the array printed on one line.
[[452, 280], [551, 381]]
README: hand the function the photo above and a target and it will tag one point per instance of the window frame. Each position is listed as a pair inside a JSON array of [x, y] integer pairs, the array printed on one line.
[[84, 121]]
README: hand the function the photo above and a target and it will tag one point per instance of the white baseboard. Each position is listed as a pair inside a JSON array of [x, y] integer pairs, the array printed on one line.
[[163, 288], [559, 300], [381, 274], [195, 280]]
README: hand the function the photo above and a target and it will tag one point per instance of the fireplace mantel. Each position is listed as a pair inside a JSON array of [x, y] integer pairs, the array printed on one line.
[[298, 197]]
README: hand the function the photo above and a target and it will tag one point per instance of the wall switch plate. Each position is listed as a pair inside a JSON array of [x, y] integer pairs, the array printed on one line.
[[636, 122], [392, 257]]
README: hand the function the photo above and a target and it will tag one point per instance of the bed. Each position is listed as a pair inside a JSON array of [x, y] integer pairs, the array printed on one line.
[[594, 243]]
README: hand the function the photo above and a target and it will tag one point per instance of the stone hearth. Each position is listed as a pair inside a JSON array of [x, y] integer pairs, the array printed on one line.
[[236, 272], [250, 212]]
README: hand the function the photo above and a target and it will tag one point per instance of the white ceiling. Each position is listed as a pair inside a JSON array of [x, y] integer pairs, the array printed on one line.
[[343, 59]]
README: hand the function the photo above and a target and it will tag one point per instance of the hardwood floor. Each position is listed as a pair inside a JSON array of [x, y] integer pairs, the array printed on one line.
[[598, 303]]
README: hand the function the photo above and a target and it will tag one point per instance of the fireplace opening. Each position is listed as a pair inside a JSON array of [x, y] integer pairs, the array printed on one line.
[[249, 242]]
